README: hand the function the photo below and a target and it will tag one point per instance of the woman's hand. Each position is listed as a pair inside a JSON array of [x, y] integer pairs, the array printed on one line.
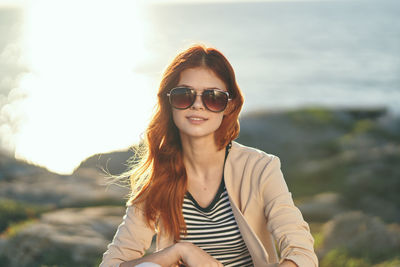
[[189, 254], [288, 263], [193, 256]]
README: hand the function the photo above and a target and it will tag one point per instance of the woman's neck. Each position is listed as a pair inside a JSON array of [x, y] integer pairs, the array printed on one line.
[[201, 155]]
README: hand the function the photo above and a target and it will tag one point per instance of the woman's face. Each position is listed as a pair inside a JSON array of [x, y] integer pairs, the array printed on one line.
[[197, 121]]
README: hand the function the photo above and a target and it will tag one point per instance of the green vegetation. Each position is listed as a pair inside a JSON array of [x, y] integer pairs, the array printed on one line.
[[14, 228], [12, 212], [316, 231], [312, 116], [340, 257], [394, 262], [100, 202], [57, 257]]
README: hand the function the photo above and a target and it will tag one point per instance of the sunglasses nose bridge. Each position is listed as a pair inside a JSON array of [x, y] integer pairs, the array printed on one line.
[[198, 101]]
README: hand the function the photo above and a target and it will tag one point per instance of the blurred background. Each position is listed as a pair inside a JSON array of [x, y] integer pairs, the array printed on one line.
[[78, 81]]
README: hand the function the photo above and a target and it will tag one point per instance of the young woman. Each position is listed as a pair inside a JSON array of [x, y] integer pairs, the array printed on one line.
[[209, 200]]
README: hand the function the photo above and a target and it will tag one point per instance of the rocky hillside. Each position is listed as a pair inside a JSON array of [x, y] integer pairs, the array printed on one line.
[[341, 166]]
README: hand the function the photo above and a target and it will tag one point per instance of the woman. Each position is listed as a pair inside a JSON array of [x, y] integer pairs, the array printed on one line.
[[209, 200]]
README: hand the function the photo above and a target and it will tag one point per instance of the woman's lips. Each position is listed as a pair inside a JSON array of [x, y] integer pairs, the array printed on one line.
[[196, 119]]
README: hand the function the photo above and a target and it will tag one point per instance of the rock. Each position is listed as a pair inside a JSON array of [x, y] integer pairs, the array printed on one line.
[[75, 237], [321, 207], [291, 134], [114, 163], [381, 207], [372, 183], [360, 235], [86, 186]]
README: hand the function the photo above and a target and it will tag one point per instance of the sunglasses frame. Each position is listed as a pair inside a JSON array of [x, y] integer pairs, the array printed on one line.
[[169, 94]]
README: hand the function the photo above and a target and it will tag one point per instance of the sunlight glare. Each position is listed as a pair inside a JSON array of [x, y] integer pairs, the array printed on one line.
[[83, 96]]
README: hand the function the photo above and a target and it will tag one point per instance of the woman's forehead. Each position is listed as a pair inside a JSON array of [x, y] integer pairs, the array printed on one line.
[[200, 78]]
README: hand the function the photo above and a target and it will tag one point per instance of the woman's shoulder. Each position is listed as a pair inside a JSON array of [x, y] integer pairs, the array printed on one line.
[[252, 168], [239, 151]]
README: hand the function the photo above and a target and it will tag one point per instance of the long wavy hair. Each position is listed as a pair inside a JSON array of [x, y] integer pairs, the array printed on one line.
[[159, 180]]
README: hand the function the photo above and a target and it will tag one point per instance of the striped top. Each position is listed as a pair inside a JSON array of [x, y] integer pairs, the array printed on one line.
[[214, 229]]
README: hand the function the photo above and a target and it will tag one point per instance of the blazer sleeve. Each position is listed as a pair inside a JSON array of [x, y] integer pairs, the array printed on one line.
[[284, 220], [132, 238]]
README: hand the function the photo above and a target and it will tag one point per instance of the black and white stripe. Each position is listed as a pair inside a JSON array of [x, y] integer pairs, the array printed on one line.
[[215, 230]]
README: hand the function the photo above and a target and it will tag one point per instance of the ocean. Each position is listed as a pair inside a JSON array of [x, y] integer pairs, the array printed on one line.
[[289, 54], [286, 54]]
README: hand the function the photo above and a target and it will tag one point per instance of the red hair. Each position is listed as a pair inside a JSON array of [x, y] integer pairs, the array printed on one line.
[[159, 181]]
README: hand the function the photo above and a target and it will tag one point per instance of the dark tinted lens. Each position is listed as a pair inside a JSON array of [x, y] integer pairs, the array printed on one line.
[[182, 98], [215, 100]]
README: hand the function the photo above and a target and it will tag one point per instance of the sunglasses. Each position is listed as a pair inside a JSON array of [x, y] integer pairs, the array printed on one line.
[[214, 100]]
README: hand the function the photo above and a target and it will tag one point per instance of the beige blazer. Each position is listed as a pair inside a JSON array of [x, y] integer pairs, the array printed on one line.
[[262, 206]]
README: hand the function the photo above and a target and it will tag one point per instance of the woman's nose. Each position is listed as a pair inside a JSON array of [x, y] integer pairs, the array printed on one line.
[[198, 103]]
